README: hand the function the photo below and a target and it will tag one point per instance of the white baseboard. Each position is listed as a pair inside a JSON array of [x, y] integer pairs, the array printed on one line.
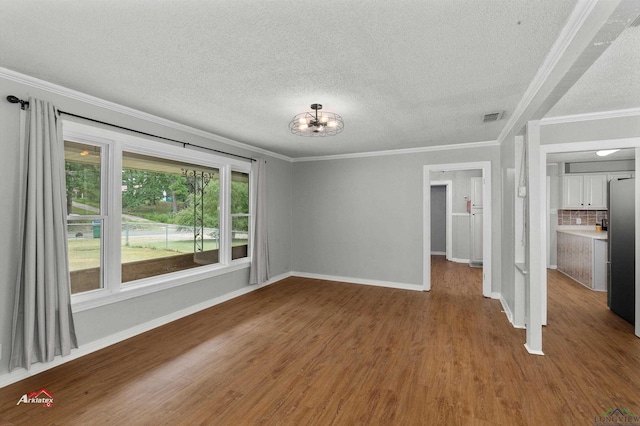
[[390, 284], [509, 314], [453, 259], [438, 253], [553, 266], [20, 374], [506, 310], [533, 351]]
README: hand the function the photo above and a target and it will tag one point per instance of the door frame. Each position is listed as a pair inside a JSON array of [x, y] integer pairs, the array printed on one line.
[[487, 263], [448, 184]]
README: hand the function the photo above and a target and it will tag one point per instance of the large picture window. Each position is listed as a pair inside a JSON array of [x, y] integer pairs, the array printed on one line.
[[170, 216], [142, 213]]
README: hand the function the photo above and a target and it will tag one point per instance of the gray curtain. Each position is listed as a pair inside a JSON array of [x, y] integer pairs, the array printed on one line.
[[260, 250], [42, 319]]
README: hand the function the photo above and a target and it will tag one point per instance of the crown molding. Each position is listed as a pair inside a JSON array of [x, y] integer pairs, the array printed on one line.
[[589, 116], [466, 145], [112, 106], [575, 23]]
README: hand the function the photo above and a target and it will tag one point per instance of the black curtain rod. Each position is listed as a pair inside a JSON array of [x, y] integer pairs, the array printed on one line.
[[24, 104]]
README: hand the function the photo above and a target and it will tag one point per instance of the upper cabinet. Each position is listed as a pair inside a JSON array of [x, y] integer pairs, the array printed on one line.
[[584, 192]]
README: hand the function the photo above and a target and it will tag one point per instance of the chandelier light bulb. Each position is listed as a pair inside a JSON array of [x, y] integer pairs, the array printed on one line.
[[303, 126], [331, 124]]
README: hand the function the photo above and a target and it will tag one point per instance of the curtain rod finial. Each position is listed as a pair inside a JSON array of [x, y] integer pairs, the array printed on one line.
[[15, 100]]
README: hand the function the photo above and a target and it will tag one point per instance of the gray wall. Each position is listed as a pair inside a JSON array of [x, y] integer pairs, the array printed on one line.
[[107, 320], [594, 130], [362, 217], [438, 219]]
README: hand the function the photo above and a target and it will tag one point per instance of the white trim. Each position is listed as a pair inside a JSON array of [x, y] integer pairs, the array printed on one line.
[[574, 25], [495, 295], [350, 280], [96, 345], [589, 116], [112, 106], [487, 263], [466, 145], [438, 253], [448, 184], [456, 260], [533, 351], [506, 310]]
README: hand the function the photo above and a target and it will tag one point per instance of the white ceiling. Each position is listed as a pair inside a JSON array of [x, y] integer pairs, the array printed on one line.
[[611, 83], [402, 74]]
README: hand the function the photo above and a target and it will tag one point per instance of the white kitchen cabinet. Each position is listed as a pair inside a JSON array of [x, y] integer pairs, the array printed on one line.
[[595, 192], [584, 192]]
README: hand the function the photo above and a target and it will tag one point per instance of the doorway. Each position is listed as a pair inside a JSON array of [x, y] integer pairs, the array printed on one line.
[[575, 147], [485, 174]]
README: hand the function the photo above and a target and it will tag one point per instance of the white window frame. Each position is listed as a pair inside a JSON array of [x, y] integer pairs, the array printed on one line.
[[115, 143]]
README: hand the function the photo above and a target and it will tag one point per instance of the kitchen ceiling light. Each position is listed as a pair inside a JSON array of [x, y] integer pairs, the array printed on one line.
[[605, 152], [312, 124]]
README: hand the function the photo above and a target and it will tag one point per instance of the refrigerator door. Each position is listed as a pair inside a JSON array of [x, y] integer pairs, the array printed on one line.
[[621, 285]]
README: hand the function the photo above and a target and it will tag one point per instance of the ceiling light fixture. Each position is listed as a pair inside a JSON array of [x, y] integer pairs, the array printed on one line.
[[605, 152], [314, 124]]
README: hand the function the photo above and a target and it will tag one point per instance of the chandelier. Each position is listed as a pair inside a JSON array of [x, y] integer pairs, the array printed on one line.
[[315, 124]]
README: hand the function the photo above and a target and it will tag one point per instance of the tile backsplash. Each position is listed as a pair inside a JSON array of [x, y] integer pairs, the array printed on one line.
[[587, 217]]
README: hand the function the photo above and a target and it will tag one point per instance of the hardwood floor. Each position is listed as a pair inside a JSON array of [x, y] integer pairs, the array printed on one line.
[[306, 351]]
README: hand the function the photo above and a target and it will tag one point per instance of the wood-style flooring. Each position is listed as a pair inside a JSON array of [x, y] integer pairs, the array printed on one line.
[[312, 352]]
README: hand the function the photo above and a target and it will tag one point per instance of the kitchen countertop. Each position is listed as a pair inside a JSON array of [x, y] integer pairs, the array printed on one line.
[[589, 232]]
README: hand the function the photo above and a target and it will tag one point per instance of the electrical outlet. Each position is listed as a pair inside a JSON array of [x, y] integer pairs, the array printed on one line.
[[578, 221]]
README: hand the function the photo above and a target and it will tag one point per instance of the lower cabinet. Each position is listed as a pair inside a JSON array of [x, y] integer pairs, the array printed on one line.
[[584, 259]]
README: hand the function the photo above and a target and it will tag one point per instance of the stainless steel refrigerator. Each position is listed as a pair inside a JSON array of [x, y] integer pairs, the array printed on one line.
[[621, 285]]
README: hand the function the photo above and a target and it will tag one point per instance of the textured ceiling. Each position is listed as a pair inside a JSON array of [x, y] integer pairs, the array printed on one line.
[[611, 83], [402, 74]]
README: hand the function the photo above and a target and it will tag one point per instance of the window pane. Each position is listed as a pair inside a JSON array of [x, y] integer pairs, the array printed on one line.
[[239, 192], [170, 216], [84, 240], [239, 236], [84, 236], [82, 171], [240, 215]]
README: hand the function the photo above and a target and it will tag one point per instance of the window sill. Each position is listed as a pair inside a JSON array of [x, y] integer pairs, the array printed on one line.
[[90, 300]]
